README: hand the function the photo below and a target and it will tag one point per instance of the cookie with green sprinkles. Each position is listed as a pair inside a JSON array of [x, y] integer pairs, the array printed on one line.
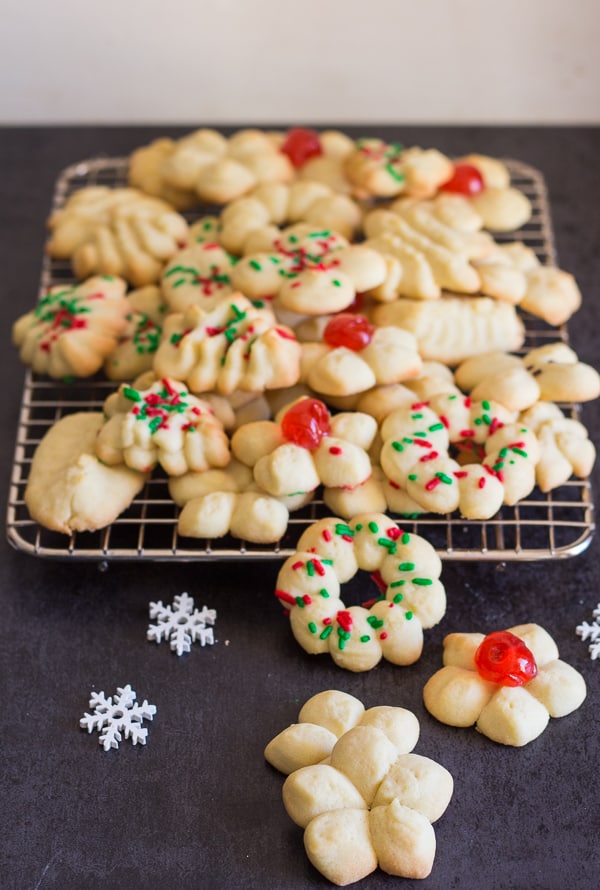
[[411, 596], [163, 425], [73, 328], [231, 345]]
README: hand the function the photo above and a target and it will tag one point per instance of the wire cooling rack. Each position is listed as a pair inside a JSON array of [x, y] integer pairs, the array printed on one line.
[[543, 526]]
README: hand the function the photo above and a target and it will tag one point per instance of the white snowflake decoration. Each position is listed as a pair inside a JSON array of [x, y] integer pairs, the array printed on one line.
[[591, 632], [124, 715], [181, 624]]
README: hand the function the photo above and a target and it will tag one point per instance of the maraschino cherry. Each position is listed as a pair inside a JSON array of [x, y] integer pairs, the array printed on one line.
[[349, 330], [466, 180], [504, 658], [306, 423], [301, 144]]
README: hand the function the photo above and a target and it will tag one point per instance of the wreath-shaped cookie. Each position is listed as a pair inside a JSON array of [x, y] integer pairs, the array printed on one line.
[[551, 373], [330, 552], [207, 166]]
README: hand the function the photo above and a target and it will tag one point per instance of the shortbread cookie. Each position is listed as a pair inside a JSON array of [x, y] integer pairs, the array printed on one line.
[[280, 204], [232, 346], [455, 328], [311, 271], [357, 637], [69, 489], [499, 456], [485, 182], [225, 501], [385, 169], [163, 425], [210, 166], [145, 173], [355, 356], [121, 231], [372, 803], [512, 272], [427, 253], [551, 373], [305, 447], [134, 352], [251, 516], [565, 447], [423, 253], [508, 683], [198, 275], [73, 328]]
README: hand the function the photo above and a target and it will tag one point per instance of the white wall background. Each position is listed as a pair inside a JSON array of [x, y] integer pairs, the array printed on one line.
[[320, 61]]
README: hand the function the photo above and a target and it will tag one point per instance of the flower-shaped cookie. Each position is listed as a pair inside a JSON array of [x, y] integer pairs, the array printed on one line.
[[311, 271], [355, 356], [123, 232], [508, 683], [485, 183], [386, 169], [73, 328], [363, 799], [277, 204], [406, 568], [207, 166], [235, 345], [305, 447], [163, 425]]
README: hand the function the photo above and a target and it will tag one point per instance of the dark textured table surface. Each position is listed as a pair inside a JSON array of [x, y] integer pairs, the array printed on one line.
[[198, 806]]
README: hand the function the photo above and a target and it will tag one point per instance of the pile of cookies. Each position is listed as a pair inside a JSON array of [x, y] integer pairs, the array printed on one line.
[[344, 321]]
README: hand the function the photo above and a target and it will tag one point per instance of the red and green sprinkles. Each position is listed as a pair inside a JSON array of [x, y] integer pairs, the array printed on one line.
[[159, 407], [62, 311]]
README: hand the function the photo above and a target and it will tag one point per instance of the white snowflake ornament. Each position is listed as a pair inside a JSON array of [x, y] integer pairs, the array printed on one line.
[[123, 717], [181, 624], [591, 632]]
